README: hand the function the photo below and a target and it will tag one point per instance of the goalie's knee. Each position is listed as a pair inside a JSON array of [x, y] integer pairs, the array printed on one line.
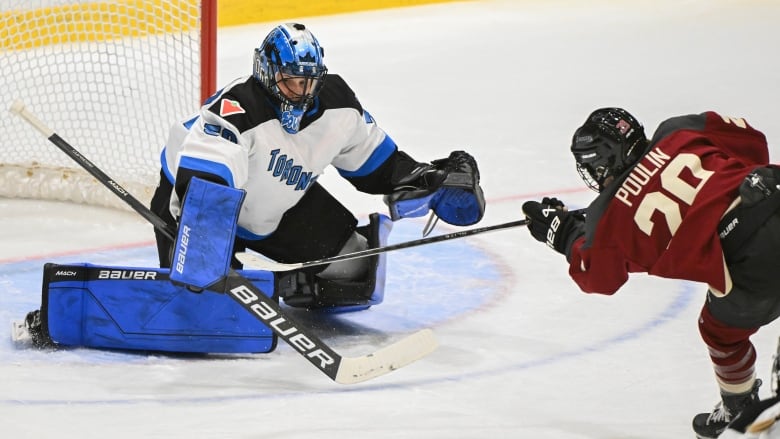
[[336, 293]]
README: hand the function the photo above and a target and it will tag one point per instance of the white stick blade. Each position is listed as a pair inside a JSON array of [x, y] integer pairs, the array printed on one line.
[[387, 359], [17, 106], [255, 262], [19, 333]]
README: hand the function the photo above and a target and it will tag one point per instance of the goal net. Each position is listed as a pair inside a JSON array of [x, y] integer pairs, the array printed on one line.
[[110, 77]]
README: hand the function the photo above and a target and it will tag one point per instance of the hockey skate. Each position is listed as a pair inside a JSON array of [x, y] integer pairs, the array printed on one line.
[[19, 333], [711, 425]]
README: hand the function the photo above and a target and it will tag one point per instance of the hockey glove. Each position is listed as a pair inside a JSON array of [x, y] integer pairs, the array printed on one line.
[[460, 200], [552, 224], [448, 186]]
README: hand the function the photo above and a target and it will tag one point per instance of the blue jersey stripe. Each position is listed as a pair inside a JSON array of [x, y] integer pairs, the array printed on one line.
[[209, 167], [164, 164], [382, 152], [249, 236]]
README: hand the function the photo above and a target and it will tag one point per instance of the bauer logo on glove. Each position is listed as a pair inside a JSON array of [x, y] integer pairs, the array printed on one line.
[[554, 224], [550, 222]]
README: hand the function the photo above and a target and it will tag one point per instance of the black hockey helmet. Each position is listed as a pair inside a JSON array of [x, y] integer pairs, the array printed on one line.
[[608, 143]]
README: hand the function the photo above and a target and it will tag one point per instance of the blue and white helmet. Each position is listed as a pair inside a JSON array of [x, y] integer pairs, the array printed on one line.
[[289, 64]]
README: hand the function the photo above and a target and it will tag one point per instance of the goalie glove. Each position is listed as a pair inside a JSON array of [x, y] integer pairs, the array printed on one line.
[[448, 186], [552, 224]]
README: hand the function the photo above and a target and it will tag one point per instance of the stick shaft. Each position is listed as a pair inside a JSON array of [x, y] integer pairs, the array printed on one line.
[[19, 108], [258, 263], [263, 264]]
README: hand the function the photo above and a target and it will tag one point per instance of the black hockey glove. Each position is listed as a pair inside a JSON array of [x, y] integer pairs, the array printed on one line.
[[552, 224], [448, 186]]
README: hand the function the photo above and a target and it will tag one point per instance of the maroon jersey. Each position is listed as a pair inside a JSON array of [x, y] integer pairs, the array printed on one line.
[[661, 217]]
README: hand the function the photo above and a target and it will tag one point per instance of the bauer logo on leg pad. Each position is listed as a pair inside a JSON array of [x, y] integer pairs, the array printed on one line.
[[207, 231], [137, 308], [181, 253]]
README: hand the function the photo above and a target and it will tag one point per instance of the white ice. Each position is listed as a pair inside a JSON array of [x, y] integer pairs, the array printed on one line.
[[524, 354]]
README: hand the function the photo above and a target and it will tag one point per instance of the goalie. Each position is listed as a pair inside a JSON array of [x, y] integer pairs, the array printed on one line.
[[266, 138], [242, 174]]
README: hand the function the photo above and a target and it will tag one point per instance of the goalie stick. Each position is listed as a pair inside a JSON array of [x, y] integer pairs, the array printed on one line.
[[344, 370], [256, 262]]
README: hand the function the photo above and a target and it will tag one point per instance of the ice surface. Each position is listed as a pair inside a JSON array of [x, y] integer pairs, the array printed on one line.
[[523, 353]]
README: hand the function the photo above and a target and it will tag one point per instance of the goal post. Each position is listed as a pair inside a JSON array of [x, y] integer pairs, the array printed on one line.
[[111, 76]]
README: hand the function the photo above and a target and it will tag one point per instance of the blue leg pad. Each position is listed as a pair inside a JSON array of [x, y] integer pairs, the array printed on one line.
[[131, 308], [207, 231]]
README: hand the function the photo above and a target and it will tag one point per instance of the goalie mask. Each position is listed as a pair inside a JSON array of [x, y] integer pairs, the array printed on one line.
[[610, 141], [289, 64]]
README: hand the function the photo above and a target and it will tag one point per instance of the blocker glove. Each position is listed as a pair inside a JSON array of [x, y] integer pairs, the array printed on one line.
[[551, 223]]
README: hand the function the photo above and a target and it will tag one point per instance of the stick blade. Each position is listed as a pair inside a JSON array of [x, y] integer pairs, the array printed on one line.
[[19, 333], [17, 106], [397, 355], [254, 262]]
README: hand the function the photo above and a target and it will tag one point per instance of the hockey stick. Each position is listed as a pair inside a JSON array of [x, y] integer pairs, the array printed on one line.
[[344, 370], [259, 263]]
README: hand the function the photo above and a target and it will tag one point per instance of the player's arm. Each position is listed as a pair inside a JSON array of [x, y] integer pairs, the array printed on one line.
[[373, 163], [214, 151], [738, 138], [449, 186], [563, 231], [597, 270], [732, 135]]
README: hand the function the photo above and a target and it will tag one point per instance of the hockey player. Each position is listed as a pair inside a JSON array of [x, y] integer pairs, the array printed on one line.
[[242, 174], [270, 135], [696, 202]]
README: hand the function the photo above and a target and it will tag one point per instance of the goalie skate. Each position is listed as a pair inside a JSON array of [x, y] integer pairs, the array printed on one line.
[[19, 333], [29, 332]]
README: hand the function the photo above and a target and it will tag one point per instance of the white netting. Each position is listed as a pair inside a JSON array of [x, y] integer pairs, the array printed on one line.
[[109, 77]]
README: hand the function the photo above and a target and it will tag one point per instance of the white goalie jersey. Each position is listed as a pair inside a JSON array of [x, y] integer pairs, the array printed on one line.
[[237, 137]]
